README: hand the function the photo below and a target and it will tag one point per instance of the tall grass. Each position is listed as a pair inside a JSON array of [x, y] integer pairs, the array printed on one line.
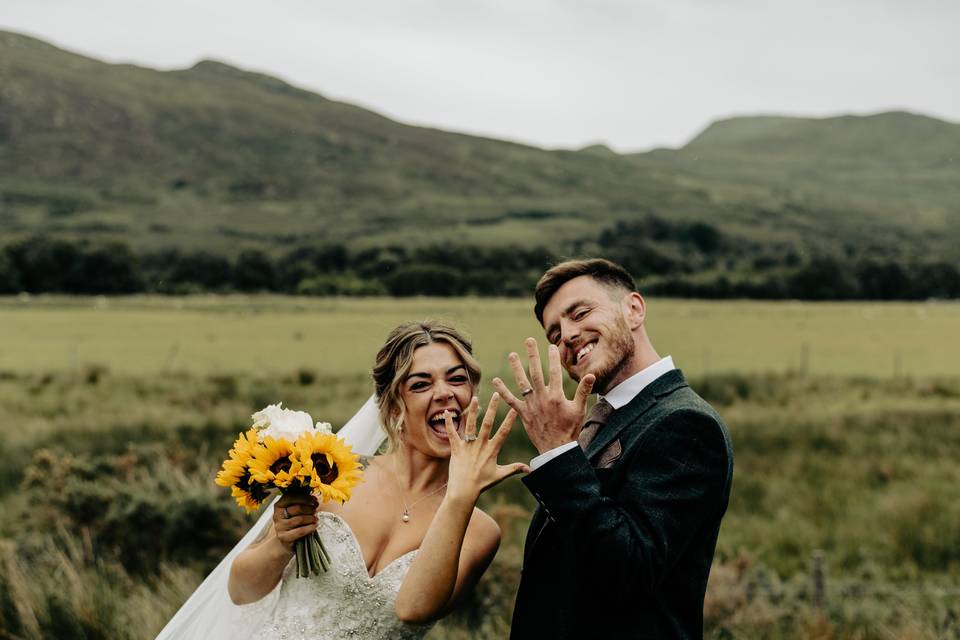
[[107, 479]]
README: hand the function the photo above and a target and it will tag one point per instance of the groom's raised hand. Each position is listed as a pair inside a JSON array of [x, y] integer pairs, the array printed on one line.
[[549, 419]]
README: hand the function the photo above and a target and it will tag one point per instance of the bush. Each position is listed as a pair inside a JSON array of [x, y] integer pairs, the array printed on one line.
[[254, 272], [112, 269], [212, 272], [9, 275], [45, 265], [429, 280], [139, 508]]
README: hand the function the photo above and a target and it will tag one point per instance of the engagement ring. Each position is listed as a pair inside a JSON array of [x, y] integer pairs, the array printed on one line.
[[526, 392], [286, 515], [469, 438]]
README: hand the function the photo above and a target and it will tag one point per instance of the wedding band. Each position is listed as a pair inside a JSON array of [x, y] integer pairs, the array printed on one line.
[[286, 514], [469, 438], [526, 392]]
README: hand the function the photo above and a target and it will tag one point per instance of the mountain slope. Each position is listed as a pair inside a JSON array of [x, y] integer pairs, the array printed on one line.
[[901, 167], [222, 159], [215, 147]]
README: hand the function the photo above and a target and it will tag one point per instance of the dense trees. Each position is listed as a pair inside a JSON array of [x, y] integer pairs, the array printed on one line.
[[669, 259]]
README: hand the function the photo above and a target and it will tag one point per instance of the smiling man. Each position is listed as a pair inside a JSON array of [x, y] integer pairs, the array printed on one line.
[[630, 499]]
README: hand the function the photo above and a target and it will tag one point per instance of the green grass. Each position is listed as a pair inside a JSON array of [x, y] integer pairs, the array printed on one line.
[[209, 334], [111, 440]]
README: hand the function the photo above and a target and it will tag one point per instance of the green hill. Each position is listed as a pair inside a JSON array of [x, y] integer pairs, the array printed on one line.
[[897, 167], [221, 159], [212, 156]]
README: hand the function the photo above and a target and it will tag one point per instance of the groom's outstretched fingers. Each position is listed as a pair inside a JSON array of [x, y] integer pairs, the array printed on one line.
[[519, 375], [555, 369], [536, 368], [512, 401], [584, 389]]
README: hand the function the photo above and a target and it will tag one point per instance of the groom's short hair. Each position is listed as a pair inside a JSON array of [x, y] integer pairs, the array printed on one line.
[[603, 271]]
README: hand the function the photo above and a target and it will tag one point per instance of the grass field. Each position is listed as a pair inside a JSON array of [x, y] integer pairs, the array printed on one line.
[[114, 415], [210, 335]]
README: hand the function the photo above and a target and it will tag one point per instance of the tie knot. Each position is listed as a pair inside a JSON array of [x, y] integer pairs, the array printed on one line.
[[600, 412]]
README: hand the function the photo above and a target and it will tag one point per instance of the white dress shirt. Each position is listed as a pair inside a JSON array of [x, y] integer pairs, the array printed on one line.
[[618, 397]]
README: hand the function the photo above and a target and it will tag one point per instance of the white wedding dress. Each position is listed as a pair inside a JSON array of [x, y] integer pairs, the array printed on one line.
[[344, 602]]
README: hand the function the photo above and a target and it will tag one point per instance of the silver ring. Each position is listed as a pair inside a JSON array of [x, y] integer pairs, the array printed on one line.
[[469, 438], [526, 392], [286, 514]]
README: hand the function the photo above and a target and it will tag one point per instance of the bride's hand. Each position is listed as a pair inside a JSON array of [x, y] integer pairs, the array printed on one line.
[[473, 458], [294, 516]]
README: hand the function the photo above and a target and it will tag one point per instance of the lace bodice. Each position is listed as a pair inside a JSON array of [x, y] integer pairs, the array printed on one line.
[[345, 602]]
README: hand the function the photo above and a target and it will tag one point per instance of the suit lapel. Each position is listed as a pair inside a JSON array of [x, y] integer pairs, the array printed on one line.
[[629, 413]]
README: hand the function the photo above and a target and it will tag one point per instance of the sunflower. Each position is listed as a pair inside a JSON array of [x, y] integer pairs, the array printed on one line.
[[235, 469], [245, 499], [273, 464], [332, 467]]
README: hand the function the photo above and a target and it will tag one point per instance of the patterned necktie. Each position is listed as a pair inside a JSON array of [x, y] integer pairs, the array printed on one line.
[[597, 418]]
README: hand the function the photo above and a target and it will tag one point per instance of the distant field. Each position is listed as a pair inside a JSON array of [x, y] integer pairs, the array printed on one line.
[[271, 334]]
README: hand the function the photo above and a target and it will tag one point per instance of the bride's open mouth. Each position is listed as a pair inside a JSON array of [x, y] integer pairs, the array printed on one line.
[[436, 423]]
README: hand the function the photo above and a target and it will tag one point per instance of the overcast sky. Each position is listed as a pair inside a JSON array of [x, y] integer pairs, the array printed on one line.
[[633, 74]]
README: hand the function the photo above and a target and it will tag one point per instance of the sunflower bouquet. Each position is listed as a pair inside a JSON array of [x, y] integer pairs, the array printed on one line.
[[285, 451]]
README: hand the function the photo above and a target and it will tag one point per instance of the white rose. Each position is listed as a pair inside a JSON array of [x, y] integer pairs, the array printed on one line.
[[324, 427], [277, 422]]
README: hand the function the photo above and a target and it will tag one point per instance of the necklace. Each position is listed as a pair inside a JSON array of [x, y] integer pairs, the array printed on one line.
[[406, 508]]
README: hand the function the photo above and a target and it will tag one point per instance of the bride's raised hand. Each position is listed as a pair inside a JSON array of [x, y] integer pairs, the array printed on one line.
[[294, 516], [473, 458]]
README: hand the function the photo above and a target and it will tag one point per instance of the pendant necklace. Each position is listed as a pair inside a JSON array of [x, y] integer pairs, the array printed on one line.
[[406, 508]]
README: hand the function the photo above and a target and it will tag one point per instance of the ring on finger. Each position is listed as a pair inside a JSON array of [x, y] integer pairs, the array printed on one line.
[[469, 437], [526, 392], [286, 514]]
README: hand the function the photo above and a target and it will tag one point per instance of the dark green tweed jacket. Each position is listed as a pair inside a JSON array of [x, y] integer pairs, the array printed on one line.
[[623, 538]]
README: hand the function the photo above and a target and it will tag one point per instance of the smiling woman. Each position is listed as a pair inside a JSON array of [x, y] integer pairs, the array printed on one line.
[[410, 367], [411, 540]]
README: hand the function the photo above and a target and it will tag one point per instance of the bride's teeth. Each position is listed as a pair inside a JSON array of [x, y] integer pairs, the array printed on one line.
[[441, 417]]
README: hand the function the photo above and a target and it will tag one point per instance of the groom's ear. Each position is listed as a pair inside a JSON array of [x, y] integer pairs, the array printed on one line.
[[634, 309]]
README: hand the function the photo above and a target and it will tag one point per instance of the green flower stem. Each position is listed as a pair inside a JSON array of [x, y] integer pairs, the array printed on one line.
[[311, 563], [324, 555], [312, 556], [315, 566], [303, 569]]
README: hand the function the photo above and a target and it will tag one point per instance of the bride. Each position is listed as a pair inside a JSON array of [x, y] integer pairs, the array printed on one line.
[[407, 545]]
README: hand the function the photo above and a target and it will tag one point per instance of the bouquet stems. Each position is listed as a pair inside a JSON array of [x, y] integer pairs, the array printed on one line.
[[312, 556]]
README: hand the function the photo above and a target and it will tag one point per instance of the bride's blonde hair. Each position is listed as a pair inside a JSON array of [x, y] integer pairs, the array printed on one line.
[[395, 359]]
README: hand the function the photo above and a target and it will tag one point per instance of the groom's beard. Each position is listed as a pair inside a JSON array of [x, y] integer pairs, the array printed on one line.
[[618, 348]]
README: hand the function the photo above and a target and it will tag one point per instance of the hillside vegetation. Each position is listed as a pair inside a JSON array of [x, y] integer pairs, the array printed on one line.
[[214, 161]]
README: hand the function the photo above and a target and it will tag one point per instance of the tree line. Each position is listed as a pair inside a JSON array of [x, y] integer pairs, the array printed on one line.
[[668, 259]]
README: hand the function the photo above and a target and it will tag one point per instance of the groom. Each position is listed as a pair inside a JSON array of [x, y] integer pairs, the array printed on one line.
[[630, 501]]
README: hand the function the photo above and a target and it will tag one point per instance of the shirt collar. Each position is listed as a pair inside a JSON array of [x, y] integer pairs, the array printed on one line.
[[627, 390]]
